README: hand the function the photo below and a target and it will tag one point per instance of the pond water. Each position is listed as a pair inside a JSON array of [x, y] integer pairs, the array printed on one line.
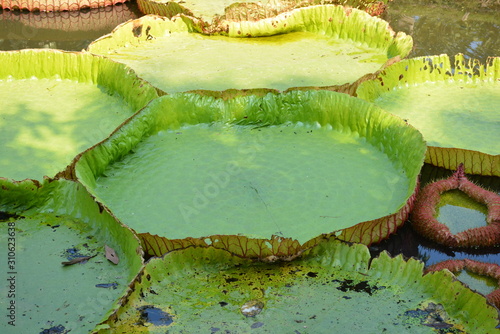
[[437, 26], [451, 27]]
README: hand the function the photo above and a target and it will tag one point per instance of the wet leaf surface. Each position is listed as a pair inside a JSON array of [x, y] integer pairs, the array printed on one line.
[[63, 222], [154, 316], [452, 100], [327, 36], [38, 140], [59, 329], [328, 288], [253, 171]]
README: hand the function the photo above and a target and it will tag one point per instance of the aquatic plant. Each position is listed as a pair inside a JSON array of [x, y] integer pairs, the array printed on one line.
[[58, 239], [249, 165], [219, 282], [217, 10], [327, 47], [71, 27], [329, 288], [454, 103], [491, 270], [424, 221], [57, 104], [55, 5]]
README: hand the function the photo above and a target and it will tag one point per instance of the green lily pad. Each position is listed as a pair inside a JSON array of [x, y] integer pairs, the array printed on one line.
[[57, 104], [321, 46], [43, 230], [455, 108], [295, 165], [330, 289], [206, 10], [482, 277]]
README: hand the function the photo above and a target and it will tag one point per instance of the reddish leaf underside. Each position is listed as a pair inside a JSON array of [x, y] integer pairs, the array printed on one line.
[[56, 6], [425, 222], [269, 250], [480, 268], [378, 229], [475, 162]]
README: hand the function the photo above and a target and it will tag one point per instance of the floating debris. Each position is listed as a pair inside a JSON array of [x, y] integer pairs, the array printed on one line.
[[257, 325], [107, 285], [4, 216], [59, 329], [433, 315], [111, 255], [77, 260], [252, 308], [363, 286], [73, 255]]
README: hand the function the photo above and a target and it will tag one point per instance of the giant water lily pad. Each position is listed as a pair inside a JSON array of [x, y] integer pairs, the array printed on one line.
[[425, 217], [205, 10], [56, 104], [313, 46], [332, 288], [56, 5], [294, 165], [454, 105], [483, 277], [248, 10], [43, 230]]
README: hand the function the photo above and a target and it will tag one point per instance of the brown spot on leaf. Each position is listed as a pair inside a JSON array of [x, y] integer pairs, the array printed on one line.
[[137, 30], [111, 254]]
